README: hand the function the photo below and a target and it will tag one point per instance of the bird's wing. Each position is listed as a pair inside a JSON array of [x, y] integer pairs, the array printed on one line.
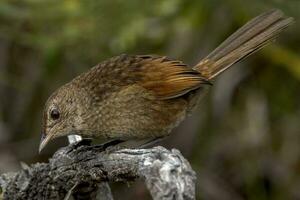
[[168, 78]]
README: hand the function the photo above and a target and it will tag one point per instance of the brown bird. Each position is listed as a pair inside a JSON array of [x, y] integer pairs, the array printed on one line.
[[143, 97]]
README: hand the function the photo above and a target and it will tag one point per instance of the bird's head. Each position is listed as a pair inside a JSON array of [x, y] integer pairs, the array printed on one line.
[[59, 116]]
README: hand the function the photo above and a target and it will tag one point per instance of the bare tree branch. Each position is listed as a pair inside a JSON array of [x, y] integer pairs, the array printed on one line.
[[81, 172]]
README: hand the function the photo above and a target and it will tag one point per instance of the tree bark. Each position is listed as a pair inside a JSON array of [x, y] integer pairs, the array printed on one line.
[[79, 171]]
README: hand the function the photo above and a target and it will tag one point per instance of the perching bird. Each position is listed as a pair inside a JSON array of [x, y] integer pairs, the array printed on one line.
[[143, 97]]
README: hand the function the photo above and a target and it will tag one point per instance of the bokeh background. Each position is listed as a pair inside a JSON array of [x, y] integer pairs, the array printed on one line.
[[243, 141]]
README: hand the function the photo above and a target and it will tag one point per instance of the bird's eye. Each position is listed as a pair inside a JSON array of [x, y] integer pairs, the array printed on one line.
[[54, 114]]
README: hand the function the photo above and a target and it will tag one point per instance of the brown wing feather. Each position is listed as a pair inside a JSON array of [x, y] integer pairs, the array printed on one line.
[[169, 78]]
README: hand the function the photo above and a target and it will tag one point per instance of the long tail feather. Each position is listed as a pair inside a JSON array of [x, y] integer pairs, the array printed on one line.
[[251, 37]]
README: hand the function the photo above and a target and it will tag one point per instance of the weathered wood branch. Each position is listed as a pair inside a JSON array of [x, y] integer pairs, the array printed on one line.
[[80, 172]]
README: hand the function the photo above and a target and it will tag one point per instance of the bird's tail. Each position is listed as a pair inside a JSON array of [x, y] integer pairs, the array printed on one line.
[[251, 37]]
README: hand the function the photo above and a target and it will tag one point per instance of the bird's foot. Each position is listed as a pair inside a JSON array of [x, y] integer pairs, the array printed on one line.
[[107, 146]]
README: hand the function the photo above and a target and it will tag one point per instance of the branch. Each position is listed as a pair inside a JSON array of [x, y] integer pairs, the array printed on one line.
[[80, 172]]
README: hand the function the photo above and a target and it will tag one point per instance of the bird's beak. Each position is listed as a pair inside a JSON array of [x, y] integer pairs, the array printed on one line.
[[44, 141]]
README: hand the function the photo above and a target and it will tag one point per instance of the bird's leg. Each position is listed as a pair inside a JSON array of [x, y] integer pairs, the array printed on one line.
[[133, 144], [112, 143], [151, 142], [107, 145]]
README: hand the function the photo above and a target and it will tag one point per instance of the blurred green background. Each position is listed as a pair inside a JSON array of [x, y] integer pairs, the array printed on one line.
[[243, 141]]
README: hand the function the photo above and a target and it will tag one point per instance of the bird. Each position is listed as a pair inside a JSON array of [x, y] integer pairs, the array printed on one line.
[[143, 97]]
